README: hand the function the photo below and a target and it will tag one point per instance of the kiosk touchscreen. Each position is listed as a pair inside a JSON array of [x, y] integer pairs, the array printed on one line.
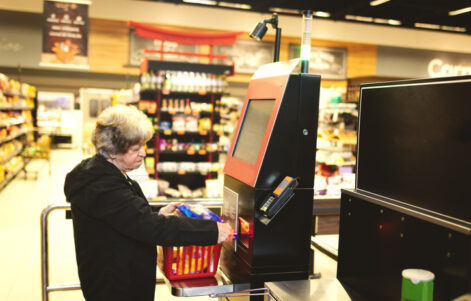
[[269, 177]]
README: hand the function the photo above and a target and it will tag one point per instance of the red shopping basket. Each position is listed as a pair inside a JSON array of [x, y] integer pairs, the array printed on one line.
[[191, 261]]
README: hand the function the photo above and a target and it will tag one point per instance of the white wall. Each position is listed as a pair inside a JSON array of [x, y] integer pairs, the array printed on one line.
[[232, 20]]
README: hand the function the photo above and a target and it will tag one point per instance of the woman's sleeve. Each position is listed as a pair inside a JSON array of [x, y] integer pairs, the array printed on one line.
[[132, 216]]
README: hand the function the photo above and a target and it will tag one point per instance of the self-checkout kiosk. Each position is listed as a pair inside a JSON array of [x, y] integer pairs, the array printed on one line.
[[269, 176], [411, 205], [268, 185]]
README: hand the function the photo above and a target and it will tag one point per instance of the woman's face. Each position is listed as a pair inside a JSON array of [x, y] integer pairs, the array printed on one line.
[[130, 160]]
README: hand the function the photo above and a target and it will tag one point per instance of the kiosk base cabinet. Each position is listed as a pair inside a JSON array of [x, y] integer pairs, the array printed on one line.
[[377, 242]]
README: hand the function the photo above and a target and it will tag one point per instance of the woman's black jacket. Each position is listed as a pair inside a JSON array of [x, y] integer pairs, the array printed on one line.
[[116, 232]]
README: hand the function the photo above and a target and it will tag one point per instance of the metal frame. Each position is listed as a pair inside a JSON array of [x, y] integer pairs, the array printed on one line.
[[45, 286]]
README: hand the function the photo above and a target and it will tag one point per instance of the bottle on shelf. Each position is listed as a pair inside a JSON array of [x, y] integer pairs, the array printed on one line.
[[164, 106], [159, 80], [167, 84], [187, 109], [171, 107], [153, 80], [145, 81]]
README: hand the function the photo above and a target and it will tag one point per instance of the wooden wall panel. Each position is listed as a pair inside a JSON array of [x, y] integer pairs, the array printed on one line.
[[109, 47], [109, 50]]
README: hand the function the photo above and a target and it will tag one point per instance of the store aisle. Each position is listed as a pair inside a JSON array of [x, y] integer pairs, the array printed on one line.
[[21, 203]]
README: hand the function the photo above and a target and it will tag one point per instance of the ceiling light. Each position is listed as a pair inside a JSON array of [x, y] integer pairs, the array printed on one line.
[[394, 22], [459, 11], [321, 14], [453, 28], [387, 21], [378, 2], [426, 25], [204, 2], [381, 21], [285, 10], [235, 5], [359, 18]]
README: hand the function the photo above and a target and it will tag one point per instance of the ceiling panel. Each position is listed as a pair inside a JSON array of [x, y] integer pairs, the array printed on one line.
[[433, 14]]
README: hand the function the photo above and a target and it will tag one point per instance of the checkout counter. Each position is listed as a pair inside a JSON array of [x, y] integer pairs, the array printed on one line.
[[409, 208]]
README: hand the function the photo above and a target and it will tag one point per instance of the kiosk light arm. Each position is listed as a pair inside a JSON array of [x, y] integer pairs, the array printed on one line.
[[306, 41], [261, 28]]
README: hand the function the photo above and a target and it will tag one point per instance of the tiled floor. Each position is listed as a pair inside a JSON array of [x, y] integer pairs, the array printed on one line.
[[21, 203]]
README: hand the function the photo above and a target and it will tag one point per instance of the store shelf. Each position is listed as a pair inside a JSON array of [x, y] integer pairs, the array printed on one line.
[[180, 94], [343, 148], [11, 176], [8, 124], [194, 133], [16, 108], [349, 163], [191, 153], [194, 67], [217, 201], [12, 94], [184, 96], [184, 172], [9, 138], [15, 153]]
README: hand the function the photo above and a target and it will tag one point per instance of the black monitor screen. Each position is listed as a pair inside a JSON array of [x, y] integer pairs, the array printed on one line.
[[252, 129], [414, 144]]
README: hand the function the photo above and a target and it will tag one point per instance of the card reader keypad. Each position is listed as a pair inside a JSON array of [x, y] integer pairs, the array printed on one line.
[[267, 204]]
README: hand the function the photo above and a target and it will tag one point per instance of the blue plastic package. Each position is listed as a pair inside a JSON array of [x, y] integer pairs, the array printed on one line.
[[198, 211]]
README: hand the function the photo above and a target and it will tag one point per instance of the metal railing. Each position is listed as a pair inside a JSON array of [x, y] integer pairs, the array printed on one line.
[[45, 286]]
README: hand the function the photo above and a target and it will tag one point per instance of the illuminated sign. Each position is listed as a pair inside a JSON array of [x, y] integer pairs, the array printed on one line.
[[438, 67]]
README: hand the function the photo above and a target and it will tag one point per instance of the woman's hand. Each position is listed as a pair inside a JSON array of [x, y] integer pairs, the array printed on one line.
[[225, 232], [171, 208]]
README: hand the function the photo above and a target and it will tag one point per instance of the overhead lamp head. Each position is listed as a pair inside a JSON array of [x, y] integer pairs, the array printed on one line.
[[260, 29]]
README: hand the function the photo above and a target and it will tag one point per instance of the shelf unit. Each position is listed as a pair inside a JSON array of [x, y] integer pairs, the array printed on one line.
[[17, 110], [183, 101], [336, 140]]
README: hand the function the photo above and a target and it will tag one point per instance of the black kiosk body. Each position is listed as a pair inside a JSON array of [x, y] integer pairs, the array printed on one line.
[[269, 177], [411, 206]]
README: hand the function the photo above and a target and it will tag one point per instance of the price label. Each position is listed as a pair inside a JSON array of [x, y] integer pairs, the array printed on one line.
[[191, 152], [181, 172], [202, 152], [180, 132], [203, 132], [167, 132]]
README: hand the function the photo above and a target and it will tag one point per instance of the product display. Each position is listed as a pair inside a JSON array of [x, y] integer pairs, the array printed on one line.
[[336, 141], [17, 101], [182, 81], [192, 119]]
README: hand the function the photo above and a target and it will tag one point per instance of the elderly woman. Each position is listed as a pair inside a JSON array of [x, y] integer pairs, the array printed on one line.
[[115, 229]]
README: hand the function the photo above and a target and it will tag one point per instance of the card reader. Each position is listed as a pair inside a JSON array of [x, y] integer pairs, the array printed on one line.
[[276, 200]]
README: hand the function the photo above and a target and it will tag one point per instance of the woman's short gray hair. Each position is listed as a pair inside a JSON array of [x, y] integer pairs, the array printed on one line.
[[118, 128]]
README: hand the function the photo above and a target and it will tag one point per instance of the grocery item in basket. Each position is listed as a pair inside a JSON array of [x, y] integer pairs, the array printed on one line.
[[198, 211]]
